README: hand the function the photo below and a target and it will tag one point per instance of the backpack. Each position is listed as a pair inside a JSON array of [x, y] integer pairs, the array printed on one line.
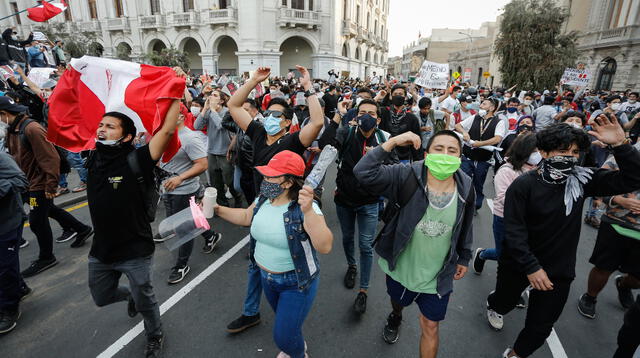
[[409, 186], [150, 191], [379, 135], [65, 167]]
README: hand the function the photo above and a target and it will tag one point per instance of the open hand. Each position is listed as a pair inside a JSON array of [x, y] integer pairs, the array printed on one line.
[[261, 74], [342, 106], [305, 80], [608, 131], [172, 183]]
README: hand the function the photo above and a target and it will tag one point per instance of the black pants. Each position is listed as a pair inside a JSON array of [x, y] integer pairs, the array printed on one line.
[[41, 210], [172, 204], [11, 283], [544, 308], [628, 336], [247, 184]]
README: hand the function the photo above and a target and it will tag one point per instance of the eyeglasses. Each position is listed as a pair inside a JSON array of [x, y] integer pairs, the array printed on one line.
[[273, 113]]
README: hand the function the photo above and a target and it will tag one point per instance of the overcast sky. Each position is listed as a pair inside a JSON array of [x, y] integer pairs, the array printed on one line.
[[407, 17]]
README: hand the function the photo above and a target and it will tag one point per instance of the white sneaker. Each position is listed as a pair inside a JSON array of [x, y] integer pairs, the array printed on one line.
[[285, 355], [495, 320], [506, 353]]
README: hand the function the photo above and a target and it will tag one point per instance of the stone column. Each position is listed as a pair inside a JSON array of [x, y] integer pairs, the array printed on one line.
[[209, 62]]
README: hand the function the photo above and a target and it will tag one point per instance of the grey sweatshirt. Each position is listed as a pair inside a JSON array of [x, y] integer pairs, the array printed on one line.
[[219, 138], [12, 183]]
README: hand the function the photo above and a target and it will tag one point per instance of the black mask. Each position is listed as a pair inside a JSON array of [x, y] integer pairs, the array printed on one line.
[[524, 128], [366, 122], [397, 100], [556, 170]]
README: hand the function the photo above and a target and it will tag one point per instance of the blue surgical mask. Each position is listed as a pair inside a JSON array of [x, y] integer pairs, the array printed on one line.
[[272, 125], [474, 105], [270, 190], [512, 110]]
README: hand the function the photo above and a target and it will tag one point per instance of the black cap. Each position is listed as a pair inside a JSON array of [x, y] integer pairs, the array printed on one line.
[[9, 105]]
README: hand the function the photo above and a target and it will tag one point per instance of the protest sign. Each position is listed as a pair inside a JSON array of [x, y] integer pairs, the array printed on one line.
[[39, 36], [467, 75], [575, 77], [6, 72], [433, 75], [40, 75]]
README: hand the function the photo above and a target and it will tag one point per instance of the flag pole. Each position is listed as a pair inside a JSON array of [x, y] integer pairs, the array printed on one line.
[[21, 11]]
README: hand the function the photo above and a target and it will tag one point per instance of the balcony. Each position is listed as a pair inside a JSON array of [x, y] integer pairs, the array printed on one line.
[[118, 24], [610, 37], [363, 34], [89, 26], [349, 28], [151, 22], [293, 17], [185, 19], [222, 17]]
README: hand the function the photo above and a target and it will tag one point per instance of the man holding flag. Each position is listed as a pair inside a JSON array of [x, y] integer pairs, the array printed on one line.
[[118, 172]]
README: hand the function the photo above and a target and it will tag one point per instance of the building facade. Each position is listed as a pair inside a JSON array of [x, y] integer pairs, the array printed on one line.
[[478, 58], [233, 36]]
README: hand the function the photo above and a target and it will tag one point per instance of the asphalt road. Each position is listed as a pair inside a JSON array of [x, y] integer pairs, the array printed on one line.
[[61, 320]]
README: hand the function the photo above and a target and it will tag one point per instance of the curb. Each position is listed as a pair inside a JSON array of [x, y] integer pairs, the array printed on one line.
[[71, 201]]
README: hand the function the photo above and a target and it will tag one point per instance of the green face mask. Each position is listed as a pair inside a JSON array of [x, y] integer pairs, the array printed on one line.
[[442, 166]]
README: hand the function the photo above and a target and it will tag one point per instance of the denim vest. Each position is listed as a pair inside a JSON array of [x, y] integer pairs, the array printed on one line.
[[305, 260]]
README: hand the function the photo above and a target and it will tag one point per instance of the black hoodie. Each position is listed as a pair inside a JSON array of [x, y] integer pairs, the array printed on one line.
[[16, 48]]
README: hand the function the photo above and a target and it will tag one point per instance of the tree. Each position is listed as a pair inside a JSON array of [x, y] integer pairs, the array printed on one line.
[[531, 45], [76, 43], [169, 57]]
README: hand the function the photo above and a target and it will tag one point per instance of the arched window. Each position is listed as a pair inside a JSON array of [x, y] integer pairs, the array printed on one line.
[[607, 72], [358, 53], [345, 53]]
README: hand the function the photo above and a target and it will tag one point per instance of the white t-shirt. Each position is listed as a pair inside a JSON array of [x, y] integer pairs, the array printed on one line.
[[501, 127], [449, 104]]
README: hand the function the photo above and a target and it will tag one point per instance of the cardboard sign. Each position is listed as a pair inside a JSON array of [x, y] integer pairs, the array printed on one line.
[[345, 74], [6, 72], [575, 77], [467, 75], [39, 36], [433, 75], [456, 75], [486, 74], [40, 75]]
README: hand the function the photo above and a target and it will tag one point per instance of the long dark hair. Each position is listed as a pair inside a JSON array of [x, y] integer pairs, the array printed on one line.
[[521, 149], [296, 186]]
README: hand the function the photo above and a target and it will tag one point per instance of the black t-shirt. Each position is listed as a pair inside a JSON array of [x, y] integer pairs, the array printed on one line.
[[262, 152], [116, 205]]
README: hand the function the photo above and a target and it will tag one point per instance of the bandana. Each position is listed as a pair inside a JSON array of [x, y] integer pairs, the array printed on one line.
[[563, 170]]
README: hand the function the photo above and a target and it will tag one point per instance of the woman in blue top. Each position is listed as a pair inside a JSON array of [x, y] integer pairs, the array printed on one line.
[[285, 252]]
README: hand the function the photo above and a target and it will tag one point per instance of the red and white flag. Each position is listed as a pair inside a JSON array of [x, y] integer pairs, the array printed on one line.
[[47, 10], [93, 86]]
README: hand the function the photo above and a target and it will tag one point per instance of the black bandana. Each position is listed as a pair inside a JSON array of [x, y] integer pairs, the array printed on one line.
[[563, 170]]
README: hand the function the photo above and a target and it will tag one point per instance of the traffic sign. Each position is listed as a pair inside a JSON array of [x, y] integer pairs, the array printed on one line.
[[486, 74], [456, 75]]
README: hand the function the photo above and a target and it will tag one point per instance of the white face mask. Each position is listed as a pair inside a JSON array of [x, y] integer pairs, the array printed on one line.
[[527, 102], [534, 158], [109, 142], [632, 101], [615, 106], [482, 112], [195, 110], [574, 124]]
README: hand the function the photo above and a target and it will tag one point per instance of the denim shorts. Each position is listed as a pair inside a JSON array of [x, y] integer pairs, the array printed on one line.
[[431, 306]]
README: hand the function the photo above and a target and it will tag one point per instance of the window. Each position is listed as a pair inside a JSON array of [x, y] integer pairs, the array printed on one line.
[[14, 8], [67, 13], [622, 12], [345, 52], [284, 3], [155, 7], [187, 5], [375, 27], [119, 8], [607, 72], [93, 9], [382, 31], [358, 14], [368, 20], [223, 4], [297, 4], [310, 5], [344, 10]]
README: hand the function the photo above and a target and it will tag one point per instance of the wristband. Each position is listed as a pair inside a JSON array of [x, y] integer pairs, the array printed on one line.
[[309, 92]]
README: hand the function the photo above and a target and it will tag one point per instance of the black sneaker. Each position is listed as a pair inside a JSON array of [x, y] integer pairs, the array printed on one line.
[[350, 277], [38, 266], [521, 302], [66, 236], [391, 330], [25, 292], [154, 346], [478, 262], [8, 320], [178, 274], [131, 307], [625, 296], [211, 242], [360, 305], [243, 322], [82, 237], [587, 306], [23, 243]]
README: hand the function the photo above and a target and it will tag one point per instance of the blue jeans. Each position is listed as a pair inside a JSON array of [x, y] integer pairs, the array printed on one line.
[[367, 218], [594, 210], [75, 162], [11, 283], [477, 171], [291, 306], [254, 290], [498, 237]]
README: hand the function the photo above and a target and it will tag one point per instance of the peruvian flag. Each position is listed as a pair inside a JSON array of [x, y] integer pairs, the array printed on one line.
[[93, 86], [47, 10]]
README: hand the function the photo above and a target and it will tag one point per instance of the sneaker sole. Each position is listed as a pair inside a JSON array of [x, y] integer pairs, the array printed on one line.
[[42, 269], [67, 239], [26, 296], [238, 330], [14, 325], [213, 246], [82, 239], [26, 243], [584, 314], [181, 278], [389, 341]]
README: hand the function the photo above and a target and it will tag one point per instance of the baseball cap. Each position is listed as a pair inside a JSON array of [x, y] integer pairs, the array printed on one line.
[[9, 105], [283, 163]]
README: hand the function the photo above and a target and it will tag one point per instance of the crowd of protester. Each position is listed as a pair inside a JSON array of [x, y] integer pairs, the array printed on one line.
[[414, 158]]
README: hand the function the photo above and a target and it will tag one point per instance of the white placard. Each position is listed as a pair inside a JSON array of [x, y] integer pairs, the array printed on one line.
[[433, 75], [40, 75], [575, 77]]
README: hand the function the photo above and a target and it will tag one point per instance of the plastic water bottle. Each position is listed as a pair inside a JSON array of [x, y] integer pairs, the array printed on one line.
[[209, 201], [327, 156]]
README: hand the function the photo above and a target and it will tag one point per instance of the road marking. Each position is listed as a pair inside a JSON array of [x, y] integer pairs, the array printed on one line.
[[69, 209], [139, 328], [557, 351]]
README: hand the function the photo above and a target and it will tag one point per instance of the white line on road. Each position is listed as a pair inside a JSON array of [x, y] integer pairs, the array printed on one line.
[[557, 351], [139, 328]]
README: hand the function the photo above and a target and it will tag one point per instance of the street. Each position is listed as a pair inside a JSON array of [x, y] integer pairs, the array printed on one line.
[[61, 320]]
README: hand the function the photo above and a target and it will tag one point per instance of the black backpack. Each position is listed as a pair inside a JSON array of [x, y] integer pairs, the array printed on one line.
[[149, 189], [65, 168]]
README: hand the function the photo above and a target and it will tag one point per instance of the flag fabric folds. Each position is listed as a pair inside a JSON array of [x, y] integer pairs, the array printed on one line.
[[93, 86], [47, 10]]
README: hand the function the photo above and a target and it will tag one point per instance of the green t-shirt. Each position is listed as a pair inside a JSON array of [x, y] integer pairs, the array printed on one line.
[[423, 258]]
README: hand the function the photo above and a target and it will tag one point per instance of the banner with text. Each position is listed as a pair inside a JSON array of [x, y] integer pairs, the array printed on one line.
[[575, 77], [433, 75]]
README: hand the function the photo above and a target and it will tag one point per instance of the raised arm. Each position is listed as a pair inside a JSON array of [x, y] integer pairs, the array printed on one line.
[[32, 86], [310, 132], [160, 140], [239, 115]]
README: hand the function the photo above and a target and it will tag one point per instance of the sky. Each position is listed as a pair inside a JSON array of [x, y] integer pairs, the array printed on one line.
[[408, 17]]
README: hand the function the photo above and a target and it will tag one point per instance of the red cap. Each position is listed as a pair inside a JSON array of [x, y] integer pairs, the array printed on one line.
[[285, 162]]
